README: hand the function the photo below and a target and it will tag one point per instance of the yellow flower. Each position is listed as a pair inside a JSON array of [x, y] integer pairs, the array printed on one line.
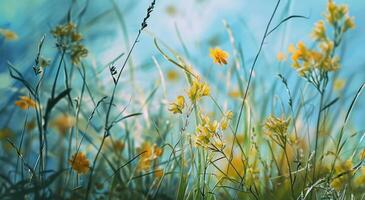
[[339, 84], [178, 105], [25, 103], [280, 56], [234, 94], [291, 48], [337, 183], [277, 125], [8, 34], [63, 122], [225, 120], [236, 167], [172, 75], [349, 24], [198, 90], [319, 32], [149, 154], [219, 56], [79, 163]]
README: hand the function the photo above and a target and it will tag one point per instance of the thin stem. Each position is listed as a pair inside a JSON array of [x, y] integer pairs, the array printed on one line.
[[317, 134]]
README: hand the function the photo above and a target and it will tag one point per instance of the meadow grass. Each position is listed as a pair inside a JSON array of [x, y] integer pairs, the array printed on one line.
[[77, 138]]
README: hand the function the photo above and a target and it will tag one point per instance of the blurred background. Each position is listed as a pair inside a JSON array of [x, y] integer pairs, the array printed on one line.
[[190, 27]]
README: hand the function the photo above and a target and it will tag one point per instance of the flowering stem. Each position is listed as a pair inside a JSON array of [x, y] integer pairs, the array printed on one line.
[[253, 66]]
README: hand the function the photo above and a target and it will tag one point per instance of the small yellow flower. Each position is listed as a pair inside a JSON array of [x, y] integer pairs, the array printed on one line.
[[234, 93], [219, 56], [349, 24], [280, 56], [277, 125], [172, 75], [149, 154], [25, 103], [291, 48], [63, 123], [178, 105], [8, 34], [198, 90], [226, 119], [79, 163], [319, 32], [339, 84], [337, 183]]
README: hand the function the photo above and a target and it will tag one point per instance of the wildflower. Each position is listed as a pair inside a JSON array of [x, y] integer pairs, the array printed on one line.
[[69, 39], [172, 75], [337, 183], [78, 51], [339, 84], [79, 163], [8, 34], [25, 103], [219, 56], [63, 123], [207, 133], [149, 154], [280, 56], [234, 94], [178, 105], [277, 125], [349, 24], [198, 90], [236, 167], [291, 48], [226, 119], [75, 37], [319, 32]]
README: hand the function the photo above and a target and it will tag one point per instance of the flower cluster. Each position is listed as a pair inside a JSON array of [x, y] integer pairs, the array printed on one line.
[[149, 155], [63, 122], [25, 103], [178, 105], [69, 40], [209, 132], [344, 173], [195, 93], [79, 163], [277, 129], [314, 63]]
